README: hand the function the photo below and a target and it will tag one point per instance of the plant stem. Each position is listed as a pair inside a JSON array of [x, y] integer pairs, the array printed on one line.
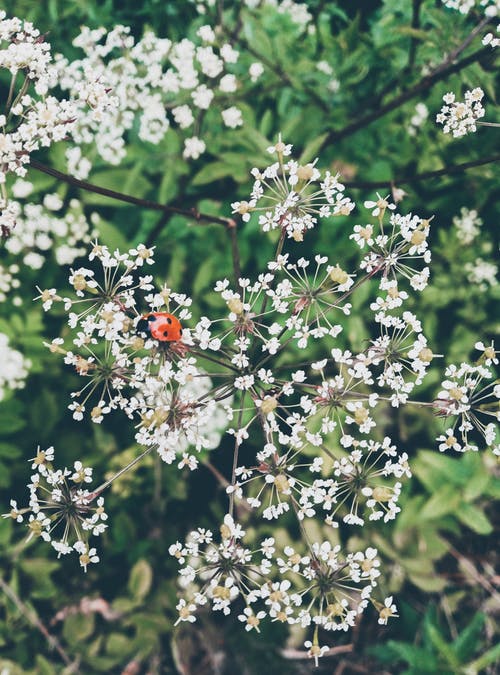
[[201, 218], [32, 617], [107, 483], [440, 73], [405, 180]]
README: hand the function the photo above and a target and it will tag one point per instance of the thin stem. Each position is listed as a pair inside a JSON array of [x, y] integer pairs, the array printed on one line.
[[222, 480], [32, 617], [11, 91], [440, 73], [415, 24], [107, 483], [237, 444], [129, 199], [235, 251], [405, 180]]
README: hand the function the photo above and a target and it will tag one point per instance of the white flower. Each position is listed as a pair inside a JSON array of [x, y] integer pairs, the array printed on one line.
[[232, 117], [459, 118], [255, 71], [389, 610], [193, 148]]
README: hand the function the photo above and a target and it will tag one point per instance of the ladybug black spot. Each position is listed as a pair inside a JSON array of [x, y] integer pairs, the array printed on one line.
[[165, 333], [151, 317], [169, 320]]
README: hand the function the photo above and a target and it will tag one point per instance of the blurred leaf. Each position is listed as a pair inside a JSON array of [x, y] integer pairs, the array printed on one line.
[[467, 642], [78, 627], [110, 236], [141, 578], [445, 501], [474, 518]]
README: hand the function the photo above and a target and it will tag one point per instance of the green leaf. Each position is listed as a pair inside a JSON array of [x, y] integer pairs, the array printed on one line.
[[128, 181], [78, 627], [211, 173], [473, 517], [430, 584], [118, 645], [441, 644], [467, 642], [140, 580], [489, 657], [110, 236], [477, 484], [6, 525], [168, 186], [310, 152], [9, 451], [10, 416], [441, 503], [44, 667], [415, 656]]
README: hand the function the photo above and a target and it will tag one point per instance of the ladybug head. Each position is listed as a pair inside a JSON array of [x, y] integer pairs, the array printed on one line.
[[143, 324]]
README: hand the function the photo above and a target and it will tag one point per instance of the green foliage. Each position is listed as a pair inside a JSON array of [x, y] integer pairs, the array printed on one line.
[[437, 652], [123, 611]]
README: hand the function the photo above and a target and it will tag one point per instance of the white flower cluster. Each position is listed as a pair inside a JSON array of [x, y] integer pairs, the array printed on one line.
[[14, 366], [37, 121], [323, 588], [39, 229], [159, 385], [61, 511], [471, 396], [490, 7], [312, 426], [492, 39], [153, 82], [32, 119], [9, 281], [467, 224], [460, 117], [293, 196], [298, 11], [393, 251], [482, 272]]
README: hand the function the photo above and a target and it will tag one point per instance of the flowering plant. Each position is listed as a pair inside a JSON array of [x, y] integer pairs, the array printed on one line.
[[289, 365]]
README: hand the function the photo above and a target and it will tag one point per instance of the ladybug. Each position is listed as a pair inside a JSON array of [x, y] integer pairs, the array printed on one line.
[[162, 326]]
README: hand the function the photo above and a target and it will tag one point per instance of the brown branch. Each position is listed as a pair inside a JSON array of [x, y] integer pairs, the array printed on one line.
[[415, 24], [440, 73], [405, 180], [129, 199], [32, 617]]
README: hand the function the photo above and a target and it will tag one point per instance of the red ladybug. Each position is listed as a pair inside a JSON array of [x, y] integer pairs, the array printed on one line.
[[162, 326]]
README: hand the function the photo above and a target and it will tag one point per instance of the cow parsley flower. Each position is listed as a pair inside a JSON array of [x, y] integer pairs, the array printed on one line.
[[470, 397], [61, 511], [459, 117]]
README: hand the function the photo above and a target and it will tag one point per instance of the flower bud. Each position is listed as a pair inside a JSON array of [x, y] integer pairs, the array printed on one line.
[[79, 282], [268, 405], [382, 494], [235, 306], [305, 172], [426, 355], [338, 275], [281, 483]]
